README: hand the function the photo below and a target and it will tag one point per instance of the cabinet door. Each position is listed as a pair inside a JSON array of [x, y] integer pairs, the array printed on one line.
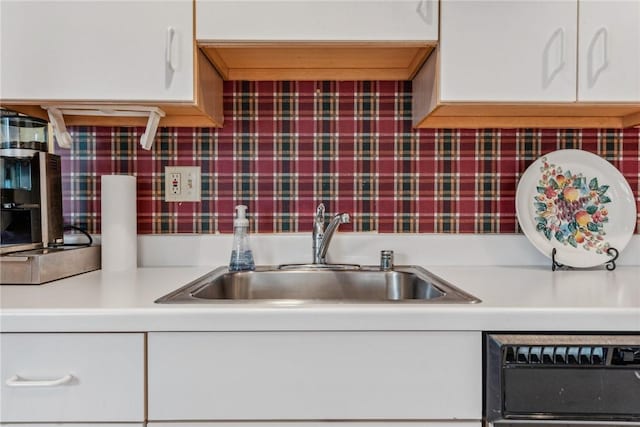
[[71, 377], [511, 51], [317, 20], [609, 50], [314, 376], [96, 50]]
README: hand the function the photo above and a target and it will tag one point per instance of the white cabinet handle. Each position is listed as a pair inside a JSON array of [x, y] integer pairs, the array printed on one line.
[[16, 381], [424, 11], [550, 73], [593, 71], [560, 33], [171, 56]]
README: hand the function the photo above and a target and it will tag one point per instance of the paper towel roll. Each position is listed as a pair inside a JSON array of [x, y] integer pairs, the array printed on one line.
[[119, 223]]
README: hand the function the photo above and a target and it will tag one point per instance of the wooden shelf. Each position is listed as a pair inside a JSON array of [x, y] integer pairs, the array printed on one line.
[[317, 61], [574, 115]]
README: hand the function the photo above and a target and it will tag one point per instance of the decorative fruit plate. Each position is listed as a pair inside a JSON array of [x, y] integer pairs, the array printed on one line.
[[579, 204]]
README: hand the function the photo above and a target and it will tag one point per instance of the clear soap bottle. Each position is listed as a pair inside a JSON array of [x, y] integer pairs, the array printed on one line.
[[241, 255]]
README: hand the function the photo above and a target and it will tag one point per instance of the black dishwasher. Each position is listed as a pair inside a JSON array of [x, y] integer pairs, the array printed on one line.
[[573, 379]]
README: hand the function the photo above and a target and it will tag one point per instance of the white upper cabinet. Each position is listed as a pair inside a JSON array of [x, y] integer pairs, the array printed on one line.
[[508, 51], [532, 63], [609, 51], [99, 50], [317, 20]]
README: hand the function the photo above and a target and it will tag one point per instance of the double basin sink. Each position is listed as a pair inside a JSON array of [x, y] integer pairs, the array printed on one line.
[[320, 283]]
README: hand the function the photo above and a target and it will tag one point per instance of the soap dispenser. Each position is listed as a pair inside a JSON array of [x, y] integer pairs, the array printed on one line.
[[241, 255]]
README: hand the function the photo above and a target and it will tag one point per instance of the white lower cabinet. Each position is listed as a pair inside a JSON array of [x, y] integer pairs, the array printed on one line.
[[343, 376], [72, 377]]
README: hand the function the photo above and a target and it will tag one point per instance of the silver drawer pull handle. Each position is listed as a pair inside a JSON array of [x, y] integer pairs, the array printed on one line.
[[16, 381]]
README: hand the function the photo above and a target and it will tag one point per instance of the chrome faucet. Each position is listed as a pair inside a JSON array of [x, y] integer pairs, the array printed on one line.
[[321, 236]]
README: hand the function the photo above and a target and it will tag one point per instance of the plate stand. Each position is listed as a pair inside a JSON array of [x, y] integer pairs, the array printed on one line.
[[609, 265]]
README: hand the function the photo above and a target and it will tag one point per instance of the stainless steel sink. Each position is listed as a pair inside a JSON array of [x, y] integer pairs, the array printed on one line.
[[353, 284]]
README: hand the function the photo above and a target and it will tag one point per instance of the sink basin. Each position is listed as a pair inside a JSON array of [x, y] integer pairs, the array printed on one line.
[[351, 284]]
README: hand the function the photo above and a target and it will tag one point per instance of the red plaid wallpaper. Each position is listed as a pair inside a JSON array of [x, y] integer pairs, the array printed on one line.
[[287, 146]]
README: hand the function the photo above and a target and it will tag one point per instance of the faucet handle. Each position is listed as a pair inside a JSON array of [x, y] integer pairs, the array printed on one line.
[[344, 218]]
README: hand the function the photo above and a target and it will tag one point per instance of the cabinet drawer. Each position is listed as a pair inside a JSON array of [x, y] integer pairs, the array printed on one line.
[[72, 377], [314, 375]]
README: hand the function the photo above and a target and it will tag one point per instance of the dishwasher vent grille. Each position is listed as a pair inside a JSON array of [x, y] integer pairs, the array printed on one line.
[[555, 355]]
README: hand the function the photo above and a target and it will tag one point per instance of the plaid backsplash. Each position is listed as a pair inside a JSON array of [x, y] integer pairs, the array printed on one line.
[[287, 146]]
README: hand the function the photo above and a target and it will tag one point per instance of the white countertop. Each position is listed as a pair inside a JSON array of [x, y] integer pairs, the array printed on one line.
[[528, 298]]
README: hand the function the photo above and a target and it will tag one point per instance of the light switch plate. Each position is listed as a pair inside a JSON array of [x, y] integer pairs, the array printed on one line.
[[182, 183]]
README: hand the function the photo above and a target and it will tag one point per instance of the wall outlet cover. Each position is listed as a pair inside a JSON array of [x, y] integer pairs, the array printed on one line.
[[182, 183]]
